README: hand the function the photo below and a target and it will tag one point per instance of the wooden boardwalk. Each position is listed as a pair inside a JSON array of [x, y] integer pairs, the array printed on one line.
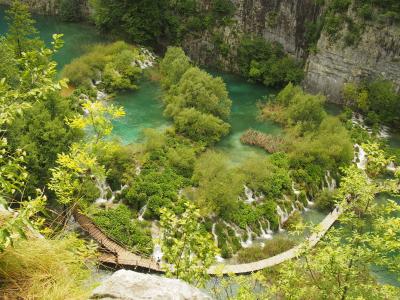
[[117, 255], [323, 227]]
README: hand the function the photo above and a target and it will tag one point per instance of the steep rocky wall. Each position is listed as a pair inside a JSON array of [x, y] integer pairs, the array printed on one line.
[[376, 55], [283, 21]]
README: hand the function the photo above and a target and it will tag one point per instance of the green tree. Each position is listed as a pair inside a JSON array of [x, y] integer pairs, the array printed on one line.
[[22, 34], [200, 127], [98, 120], [172, 67], [218, 186], [186, 246], [377, 160], [198, 89]]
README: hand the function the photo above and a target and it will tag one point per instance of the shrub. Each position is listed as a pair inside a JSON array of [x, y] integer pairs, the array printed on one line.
[[119, 224], [271, 248]]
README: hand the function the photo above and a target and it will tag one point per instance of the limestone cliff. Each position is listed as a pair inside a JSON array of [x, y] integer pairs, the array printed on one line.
[[283, 21], [376, 55]]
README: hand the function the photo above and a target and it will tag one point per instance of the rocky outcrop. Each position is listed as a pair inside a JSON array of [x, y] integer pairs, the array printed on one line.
[[129, 285], [376, 55], [283, 21]]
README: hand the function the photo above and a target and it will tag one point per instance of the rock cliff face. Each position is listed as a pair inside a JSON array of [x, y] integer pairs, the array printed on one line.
[[376, 55], [283, 21], [129, 285]]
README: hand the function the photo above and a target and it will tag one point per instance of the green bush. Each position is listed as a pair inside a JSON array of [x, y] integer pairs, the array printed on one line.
[[111, 64], [266, 62], [119, 224], [271, 248]]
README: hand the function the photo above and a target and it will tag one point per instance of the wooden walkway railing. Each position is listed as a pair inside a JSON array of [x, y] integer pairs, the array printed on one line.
[[119, 256], [115, 254]]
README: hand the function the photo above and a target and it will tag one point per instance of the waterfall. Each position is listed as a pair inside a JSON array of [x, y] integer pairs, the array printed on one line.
[[283, 217], [309, 203], [219, 258], [142, 212], [330, 182], [237, 233], [362, 158], [384, 132], [265, 234], [249, 195], [296, 192], [104, 188], [214, 234], [155, 234], [138, 170], [391, 167], [249, 240], [101, 95]]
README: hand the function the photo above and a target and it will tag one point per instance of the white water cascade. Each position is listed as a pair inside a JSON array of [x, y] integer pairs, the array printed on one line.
[[296, 192], [142, 211], [266, 234], [219, 258], [330, 181], [391, 167], [237, 234], [283, 217], [104, 189], [249, 195], [155, 234], [361, 159]]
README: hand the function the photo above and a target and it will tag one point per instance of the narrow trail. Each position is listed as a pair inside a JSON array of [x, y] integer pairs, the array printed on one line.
[[118, 255]]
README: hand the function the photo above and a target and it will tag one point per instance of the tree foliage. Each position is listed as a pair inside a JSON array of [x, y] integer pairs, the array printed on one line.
[[189, 249]]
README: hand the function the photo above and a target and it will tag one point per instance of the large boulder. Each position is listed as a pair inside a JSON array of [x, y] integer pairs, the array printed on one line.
[[129, 285]]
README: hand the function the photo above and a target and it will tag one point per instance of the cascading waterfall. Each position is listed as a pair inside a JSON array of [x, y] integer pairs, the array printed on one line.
[[237, 233], [391, 167], [138, 170], [104, 189], [142, 211], [361, 160], [249, 240], [219, 258], [296, 192], [155, 234], [330, 181], [249, 195], [265, 234], [283, 217]]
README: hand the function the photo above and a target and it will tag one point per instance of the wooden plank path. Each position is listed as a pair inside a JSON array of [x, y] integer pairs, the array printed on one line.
[[116, 254], [323, 227], [119, 256]]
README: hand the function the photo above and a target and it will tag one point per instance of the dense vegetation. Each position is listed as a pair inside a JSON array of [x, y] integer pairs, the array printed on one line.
[[197, 102], [266, 62], [110, 67], [378, 101], [160, 22]]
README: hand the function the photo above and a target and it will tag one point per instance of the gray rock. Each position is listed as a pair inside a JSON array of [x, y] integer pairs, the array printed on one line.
[[130, 285]]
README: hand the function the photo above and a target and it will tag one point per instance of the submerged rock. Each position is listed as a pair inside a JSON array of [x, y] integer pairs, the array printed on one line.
[[130, 285]]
